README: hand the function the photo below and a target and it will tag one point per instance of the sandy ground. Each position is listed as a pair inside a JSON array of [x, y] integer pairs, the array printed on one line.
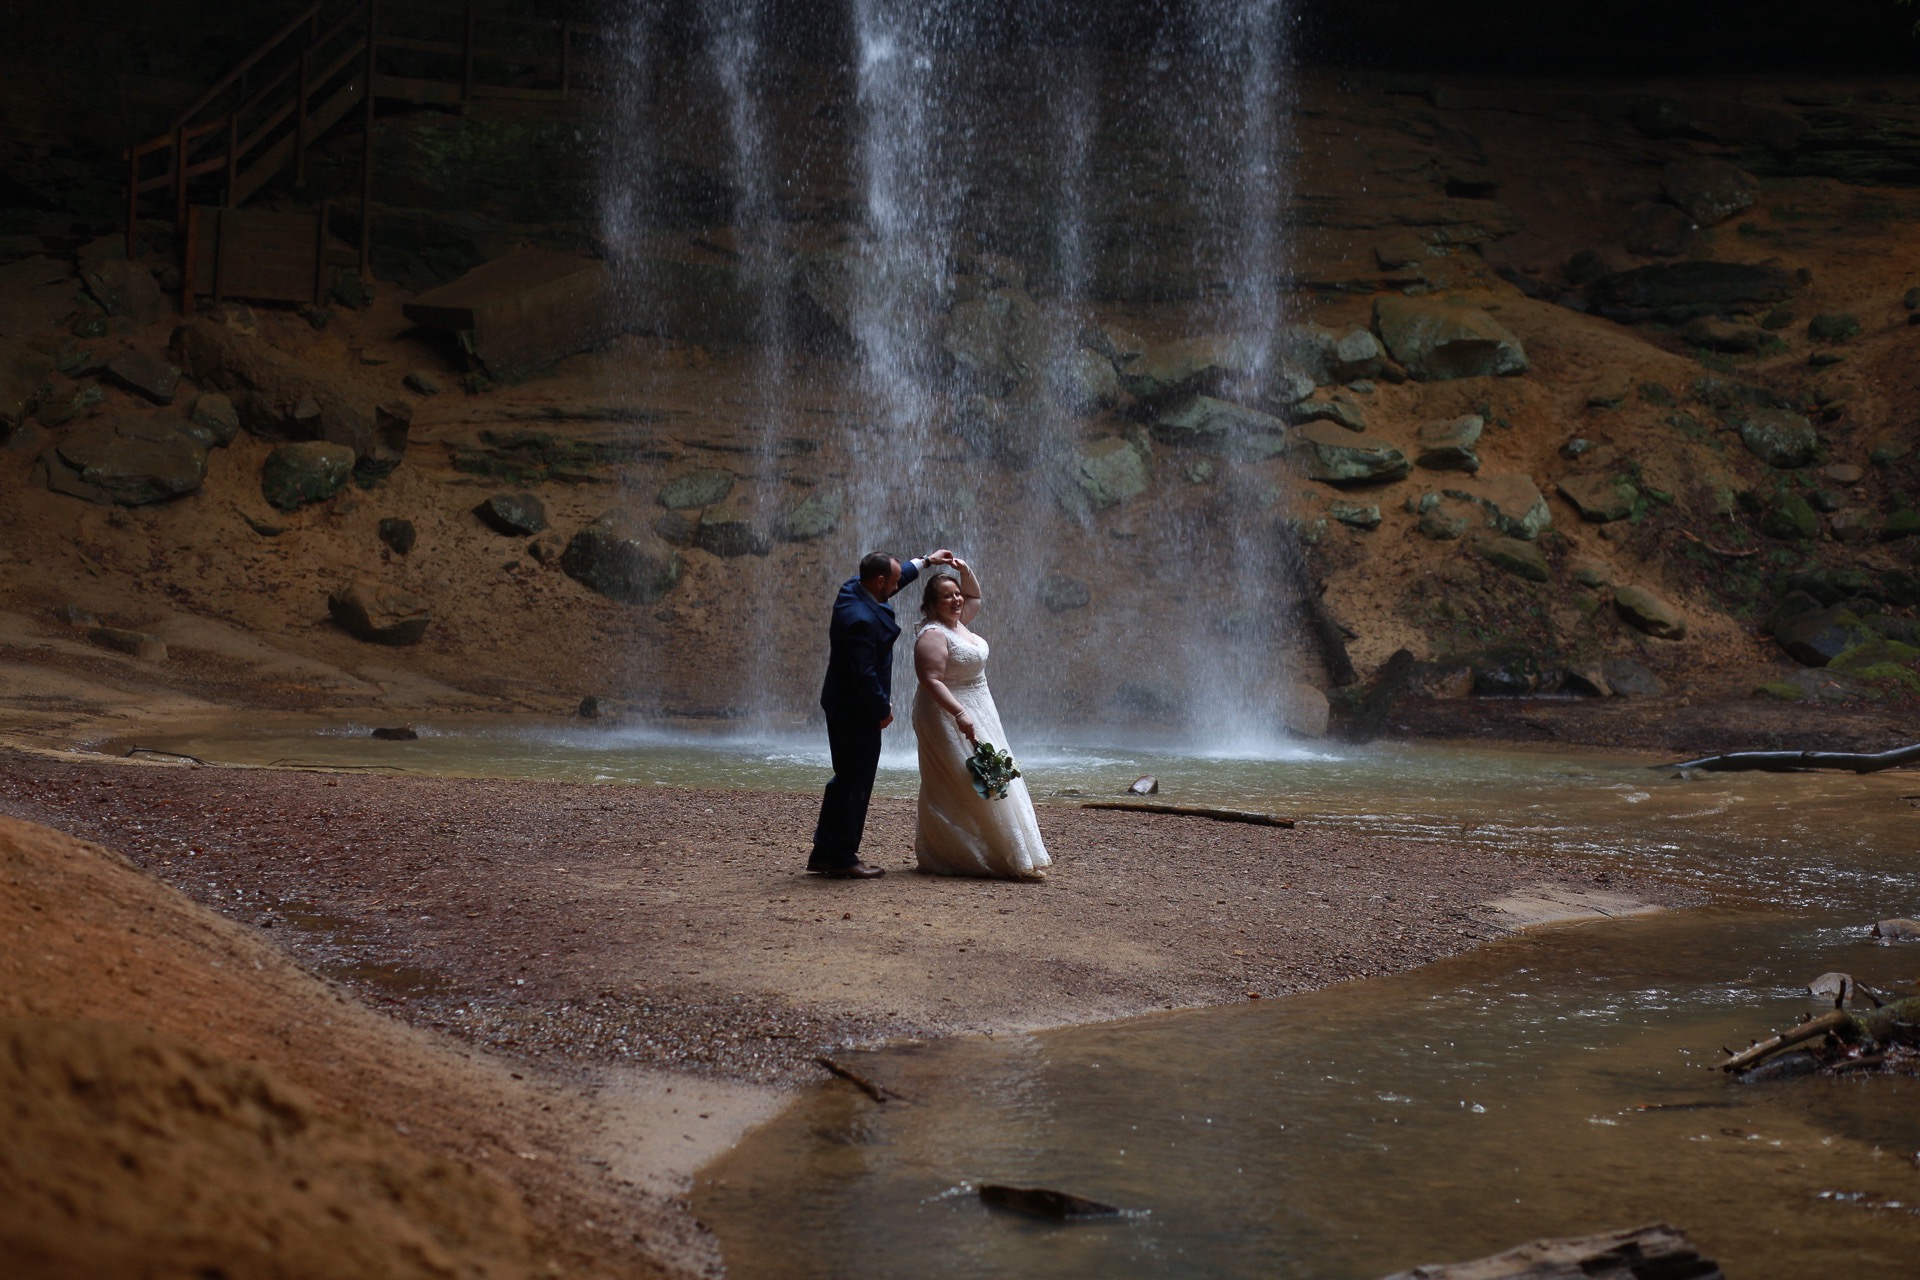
[[563, 999]]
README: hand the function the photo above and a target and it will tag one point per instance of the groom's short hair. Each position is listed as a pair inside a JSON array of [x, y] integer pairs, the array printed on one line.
[[876, 564]]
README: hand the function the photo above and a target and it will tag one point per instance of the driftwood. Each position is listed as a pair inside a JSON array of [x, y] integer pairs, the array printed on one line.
[[878, 1092], [1044, 1202], [1791, 761], [1193, 811], [1836, 1040], [1656, 1252], [1724, 552]]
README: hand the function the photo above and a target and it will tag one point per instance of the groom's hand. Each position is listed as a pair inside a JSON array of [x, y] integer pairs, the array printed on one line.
[[942, 556], [888, 721]]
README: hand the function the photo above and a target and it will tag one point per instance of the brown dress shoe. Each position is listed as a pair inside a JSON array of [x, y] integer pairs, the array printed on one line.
[[858, 871]]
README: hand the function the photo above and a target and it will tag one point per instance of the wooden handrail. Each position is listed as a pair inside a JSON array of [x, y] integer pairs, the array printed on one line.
[[246, 64]]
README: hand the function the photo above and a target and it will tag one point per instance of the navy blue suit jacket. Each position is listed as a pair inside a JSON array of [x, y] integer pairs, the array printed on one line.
[[859, 684]]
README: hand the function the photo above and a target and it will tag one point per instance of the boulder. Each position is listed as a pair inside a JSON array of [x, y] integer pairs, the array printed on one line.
[[1790, 518], [267, 387], [216, 413], [1642, 609], [1600, 498], [379, 614], [1629, 679], [125, 290], [696, 489], [145, 375], [423, 383], [1833, 327], [127, 460], [1724, 335], [1681, 290], [1334, 455], [1203, 422], [1522, 559], [1060, 593], [1817, 636], [1338, 409], [1305, 711], [836, 292], [23, 382], [1709, 190], [304, 472], [1445, 519], [996, 342], [1084, 381], [1447, 445], [1611, 391], [727, 532], [1106, 472], [398, 534], [622, 559], [1201, 365], [1780, 438], [1658, 231], [599, 707], [813, 516], [1513, 504], [1356, 515], [1356, 355], [1439, 338], [518, 515], [57, 410]]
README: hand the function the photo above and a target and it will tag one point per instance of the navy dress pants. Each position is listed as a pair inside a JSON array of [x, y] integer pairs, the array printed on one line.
[[843, 810]]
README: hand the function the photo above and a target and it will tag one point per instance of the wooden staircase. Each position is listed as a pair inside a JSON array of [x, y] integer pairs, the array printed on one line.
[[267, 113]]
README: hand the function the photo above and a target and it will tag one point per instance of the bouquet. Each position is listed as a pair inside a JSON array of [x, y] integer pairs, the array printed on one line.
[[992, 771]]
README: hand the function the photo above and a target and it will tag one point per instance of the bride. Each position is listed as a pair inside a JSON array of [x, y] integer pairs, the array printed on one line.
[[960, 832]]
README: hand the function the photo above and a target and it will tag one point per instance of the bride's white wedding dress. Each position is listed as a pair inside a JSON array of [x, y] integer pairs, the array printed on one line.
[[960, 832]]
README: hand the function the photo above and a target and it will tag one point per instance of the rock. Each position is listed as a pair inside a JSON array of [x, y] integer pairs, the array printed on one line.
[[1513, 504], [1446, 521], [398, 533], [1203, 422], [1790, 518], [216, 413], [1508, 673], [1338, 409], [1723, 335], [813, 516], [1610, 392], [518, 515], [127, 460], [1709, 190], [1658, 231], [305, 472], [1448, 445], [1356, 516], [1642, 609], [267, 386], [379, 614], [1896, 931], [1144, 785], [1599, 499], [150, 648], [1084, 381], [1845, 473], [1436, 338], [396, 733], [1591, 571], [728, 533], [675, 528], [125, 290], [621, 559], [1334, 455], [1852, 526], [1060, 593], [1305, 711], [1194, 365], [147, 375], [1901, 524], [596, 707], [419, 380], [1522, 559], [1356, 356], [1629, 679], [1586, 680], [1106, 472], [1832, 327], [996, 342], [1782, 439], [1816, 637], [23, 382], [1682, 290], [696, 489]]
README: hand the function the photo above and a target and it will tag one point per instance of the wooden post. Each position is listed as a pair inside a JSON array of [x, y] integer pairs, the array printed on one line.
[[366, 150], [189, 262], [180, 177], [320, 255], [233, 156], [220, 254], [300, 116], [466, 69], [133, 194]]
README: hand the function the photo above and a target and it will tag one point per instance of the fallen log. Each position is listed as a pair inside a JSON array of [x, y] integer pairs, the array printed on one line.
[[1792, 761], [1843, 1035], [1655, 1252], [1194, 811]]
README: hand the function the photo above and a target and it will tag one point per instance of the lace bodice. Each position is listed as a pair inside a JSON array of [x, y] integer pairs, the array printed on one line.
[[966, 655]]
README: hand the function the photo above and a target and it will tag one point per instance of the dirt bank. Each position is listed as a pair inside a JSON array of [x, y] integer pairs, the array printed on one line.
[[549, 1003]]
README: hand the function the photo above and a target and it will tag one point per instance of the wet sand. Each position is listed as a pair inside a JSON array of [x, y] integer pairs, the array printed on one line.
[[659, 962]]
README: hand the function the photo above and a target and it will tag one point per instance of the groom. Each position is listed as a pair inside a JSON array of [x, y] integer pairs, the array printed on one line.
[[858, 700]]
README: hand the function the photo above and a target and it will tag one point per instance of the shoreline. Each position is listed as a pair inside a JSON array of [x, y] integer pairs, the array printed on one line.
[[655, 960]]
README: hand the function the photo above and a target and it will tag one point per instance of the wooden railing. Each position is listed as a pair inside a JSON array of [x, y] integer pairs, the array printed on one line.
[[310, 75]]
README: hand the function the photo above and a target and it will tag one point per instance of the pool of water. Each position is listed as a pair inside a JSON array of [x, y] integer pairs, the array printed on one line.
[[1554, 1084]]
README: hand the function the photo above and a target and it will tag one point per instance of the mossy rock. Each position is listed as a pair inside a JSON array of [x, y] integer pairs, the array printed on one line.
[[696, 489], [1779, 691], [1901, 524], [1875, 653], [1791, 519]]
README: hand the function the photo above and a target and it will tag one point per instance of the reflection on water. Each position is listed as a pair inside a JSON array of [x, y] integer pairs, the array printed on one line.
[[1555, 1084]]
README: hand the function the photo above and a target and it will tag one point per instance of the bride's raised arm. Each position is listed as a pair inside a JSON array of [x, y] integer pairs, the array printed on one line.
[[969, 591]]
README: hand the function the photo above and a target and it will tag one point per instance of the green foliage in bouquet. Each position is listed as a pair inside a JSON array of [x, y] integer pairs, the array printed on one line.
[[992, 770]]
